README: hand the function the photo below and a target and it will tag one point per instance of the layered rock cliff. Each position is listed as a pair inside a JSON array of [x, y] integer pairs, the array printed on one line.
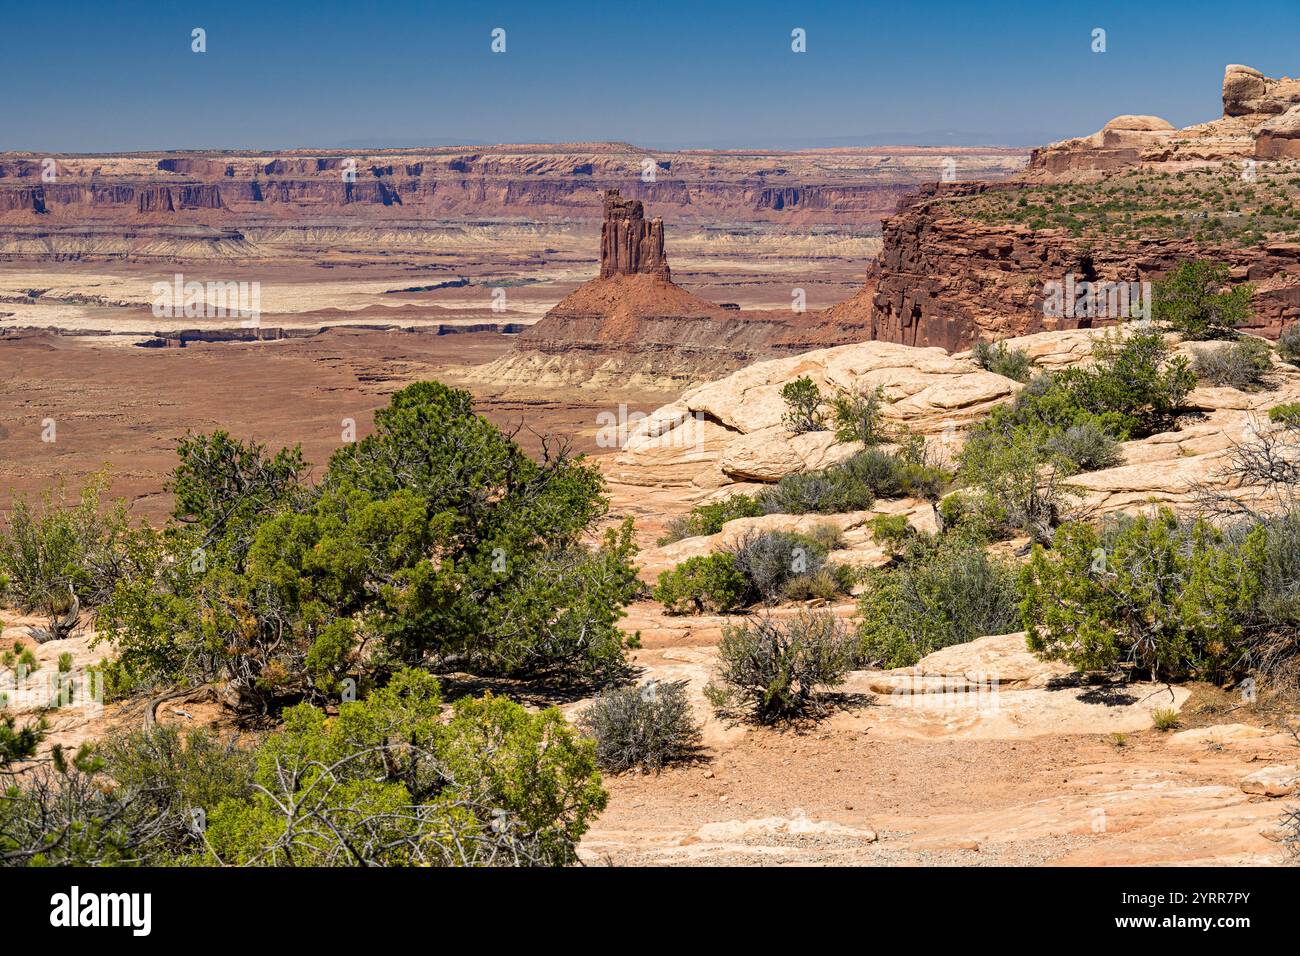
[[244, 191], [968, 261]]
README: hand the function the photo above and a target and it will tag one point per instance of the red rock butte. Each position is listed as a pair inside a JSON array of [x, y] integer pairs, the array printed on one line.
[[628, 244]]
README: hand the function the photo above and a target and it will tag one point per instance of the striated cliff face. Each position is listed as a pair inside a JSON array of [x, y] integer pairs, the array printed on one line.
[[829, 186], [276, 204], [945, 280]]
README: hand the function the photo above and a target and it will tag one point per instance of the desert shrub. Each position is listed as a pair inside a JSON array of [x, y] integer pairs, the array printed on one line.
[[937, 593], [67, 813], [825, 584], [815, 492], [387, 782], [434, 541], [66, 553], [827, 535], [803, 403], [169, 775], [891, 532], [960, 511], [1134, 385], [1288, 344], [1241, 364], [1272, 626], [925, 481], [1171, 597], [769, 560], [1020, 483], [854, 484], [1189, 301], [759, 566], [1085, 447], [129, 801], [703, 583], [772, 671], [1000, 359], [709, 518], [650, 726], [1020, 458], [879, 471], [18, 743], [858, 417], [1286, 415]]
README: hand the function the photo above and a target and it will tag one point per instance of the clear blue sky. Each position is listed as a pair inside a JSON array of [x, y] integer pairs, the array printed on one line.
[[100, 76]]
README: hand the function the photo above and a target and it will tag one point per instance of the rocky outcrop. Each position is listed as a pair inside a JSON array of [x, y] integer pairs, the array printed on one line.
[[727, 435], [638, 332], [1248, 92], [628, 244], [947, 278], [634, 328], [1172, 468], [942, 279], [1250, 127], [1279, 138], [1121, 142], [730, 431]]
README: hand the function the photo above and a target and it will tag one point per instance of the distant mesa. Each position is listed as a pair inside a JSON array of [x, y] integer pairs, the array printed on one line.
[[147, 205]]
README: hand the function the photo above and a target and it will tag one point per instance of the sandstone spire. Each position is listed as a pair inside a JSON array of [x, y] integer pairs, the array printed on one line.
[[629, 244]]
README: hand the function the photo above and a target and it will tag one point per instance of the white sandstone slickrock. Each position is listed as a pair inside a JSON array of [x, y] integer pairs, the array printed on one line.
[[731, 430]]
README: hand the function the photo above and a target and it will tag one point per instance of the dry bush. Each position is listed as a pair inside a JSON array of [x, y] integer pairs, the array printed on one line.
[[649, 726]]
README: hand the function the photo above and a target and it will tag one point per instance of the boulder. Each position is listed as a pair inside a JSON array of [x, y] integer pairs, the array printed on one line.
[[1130, 121], [1278, 781], [770, 454], [1248, 92], [1279, 138], [1242, 85]]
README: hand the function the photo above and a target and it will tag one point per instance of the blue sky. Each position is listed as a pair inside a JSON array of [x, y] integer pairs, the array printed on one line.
[[85, 77]]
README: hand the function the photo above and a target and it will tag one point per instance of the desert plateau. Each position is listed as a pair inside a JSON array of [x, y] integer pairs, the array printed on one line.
[[925, 500]]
